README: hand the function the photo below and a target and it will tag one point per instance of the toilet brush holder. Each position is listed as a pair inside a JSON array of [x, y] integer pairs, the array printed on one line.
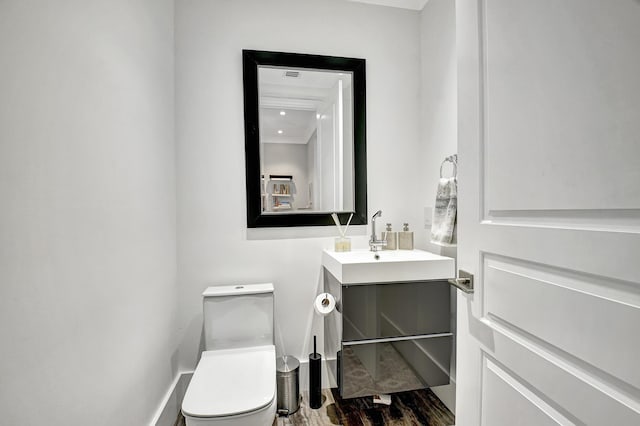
[[315, 378]]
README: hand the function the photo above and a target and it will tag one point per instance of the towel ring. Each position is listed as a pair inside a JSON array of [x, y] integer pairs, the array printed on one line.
[[453, 159]]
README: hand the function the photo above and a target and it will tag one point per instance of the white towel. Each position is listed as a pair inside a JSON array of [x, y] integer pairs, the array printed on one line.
[[444, 215]]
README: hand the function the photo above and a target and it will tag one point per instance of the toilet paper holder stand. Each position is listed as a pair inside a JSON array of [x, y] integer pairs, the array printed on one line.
[[325, 302]]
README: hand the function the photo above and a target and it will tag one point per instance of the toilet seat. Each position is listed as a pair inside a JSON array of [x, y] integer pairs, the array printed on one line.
[[232, 382]]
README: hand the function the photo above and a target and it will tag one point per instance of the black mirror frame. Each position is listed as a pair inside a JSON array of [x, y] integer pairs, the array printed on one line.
[[251, 59]]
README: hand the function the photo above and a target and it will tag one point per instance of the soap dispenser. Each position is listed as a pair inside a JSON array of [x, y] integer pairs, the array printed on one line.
[[405, 238], [391, 238]]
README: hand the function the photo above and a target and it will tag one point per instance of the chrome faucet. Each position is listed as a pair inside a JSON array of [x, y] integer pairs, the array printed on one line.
[[374, 243]]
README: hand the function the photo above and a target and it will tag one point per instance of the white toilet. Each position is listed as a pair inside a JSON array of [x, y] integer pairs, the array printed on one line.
[[235, 381]]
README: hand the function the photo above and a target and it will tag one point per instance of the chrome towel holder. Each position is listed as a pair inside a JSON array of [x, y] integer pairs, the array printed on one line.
[[453, 159]]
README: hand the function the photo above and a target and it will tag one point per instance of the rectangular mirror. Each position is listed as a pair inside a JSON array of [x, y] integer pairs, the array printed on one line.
[[305, 139]]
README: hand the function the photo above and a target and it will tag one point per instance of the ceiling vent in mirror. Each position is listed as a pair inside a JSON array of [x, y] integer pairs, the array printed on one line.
[[292, 74]]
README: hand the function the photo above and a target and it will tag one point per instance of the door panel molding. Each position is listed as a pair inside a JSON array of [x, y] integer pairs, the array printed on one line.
[[606, 220], [514, 93], [560, 343], [559, 381], [580, 251], [502, 390], [556, 307]]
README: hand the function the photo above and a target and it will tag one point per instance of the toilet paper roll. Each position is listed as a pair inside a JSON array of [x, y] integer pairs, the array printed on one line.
[[324, 304]]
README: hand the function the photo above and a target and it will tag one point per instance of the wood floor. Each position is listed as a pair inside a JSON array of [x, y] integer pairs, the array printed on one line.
[[415, 408]]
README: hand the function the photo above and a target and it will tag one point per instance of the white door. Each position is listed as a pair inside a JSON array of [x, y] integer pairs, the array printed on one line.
[[549, 219], [330, 151]]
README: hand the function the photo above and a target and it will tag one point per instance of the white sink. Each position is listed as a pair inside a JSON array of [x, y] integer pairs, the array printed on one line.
[[361, 266]]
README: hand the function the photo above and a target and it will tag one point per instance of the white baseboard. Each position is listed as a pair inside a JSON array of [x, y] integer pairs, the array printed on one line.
[[169, 408], [327, 379]]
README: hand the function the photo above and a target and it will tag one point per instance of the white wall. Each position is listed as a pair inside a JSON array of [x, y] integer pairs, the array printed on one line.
[[213, 247], [438, 118], [87, 223], [87, 228], [289, 159]]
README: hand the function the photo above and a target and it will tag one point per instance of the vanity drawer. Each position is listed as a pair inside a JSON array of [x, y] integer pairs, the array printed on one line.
[[394, 366], [384, 310]]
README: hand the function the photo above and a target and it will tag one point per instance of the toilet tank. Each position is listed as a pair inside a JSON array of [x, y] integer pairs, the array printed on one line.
[[238, 316]]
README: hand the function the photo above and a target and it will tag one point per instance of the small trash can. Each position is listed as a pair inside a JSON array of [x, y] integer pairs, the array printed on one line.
[[288, 383]]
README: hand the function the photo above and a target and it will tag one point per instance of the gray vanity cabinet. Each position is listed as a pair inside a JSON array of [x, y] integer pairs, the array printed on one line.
[[388, 337]]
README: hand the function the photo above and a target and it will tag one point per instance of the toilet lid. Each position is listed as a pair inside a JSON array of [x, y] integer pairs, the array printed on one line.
[[232, 381]]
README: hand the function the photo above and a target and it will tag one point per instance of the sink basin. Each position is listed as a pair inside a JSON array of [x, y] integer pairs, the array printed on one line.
[[361, 266]]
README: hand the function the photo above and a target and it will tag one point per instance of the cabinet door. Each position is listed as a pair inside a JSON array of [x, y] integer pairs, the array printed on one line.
[[394, 366], [395, 309]]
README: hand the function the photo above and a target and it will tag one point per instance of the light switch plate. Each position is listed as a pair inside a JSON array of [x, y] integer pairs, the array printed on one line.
[[428, 217]]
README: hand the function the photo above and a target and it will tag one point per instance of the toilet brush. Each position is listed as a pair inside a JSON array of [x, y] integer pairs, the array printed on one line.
[[315, 378]]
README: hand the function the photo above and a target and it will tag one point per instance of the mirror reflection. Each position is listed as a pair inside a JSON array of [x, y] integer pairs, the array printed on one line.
[[306, 140]]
